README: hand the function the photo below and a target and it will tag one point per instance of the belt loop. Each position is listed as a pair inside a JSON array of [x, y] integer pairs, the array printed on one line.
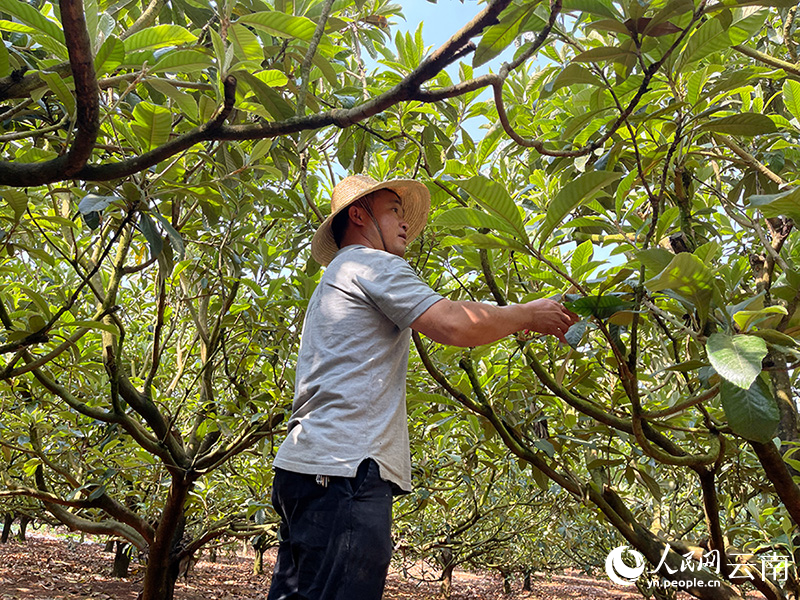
[[322, 480]]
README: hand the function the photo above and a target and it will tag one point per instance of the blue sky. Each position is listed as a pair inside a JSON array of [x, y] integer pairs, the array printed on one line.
[[440, 20]]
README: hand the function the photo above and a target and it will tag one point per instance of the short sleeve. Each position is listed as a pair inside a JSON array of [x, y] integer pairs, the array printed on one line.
[[396, 289]]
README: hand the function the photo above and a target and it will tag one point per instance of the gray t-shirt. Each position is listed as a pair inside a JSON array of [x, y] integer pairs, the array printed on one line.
[[350, 385]]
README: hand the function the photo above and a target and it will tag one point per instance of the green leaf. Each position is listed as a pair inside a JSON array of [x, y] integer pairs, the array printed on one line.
[[747, 124], [93, 325], [582, 255], [574, 194], [181, 61], [746, 319], [95, 203], [492, 196], [174, 237], [27, 14], [498, 37], [272, 77], [600, 307], [602, 53], [654, 260], [159, 36], [687, 275], [5, 63], [470, 217], [791, 97], [753, 412], [17, 200], [109, 57], [245, 42], [185, 102], [60, 89], [151, 234], [601, 8], [153, 124], [488, 242], [737, 358], [572, 74], [715, 36], [775, 205], [280, 24]]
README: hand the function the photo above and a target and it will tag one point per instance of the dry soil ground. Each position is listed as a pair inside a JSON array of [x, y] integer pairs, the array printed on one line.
[[47, 567]]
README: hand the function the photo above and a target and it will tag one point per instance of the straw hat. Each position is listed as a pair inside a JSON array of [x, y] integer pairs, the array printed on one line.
[[415, 197]]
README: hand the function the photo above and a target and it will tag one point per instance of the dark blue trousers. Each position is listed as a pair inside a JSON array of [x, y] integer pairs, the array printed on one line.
[[335, 540]]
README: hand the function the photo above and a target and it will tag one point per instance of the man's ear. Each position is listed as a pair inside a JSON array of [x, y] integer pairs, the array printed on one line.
[[356, 214]]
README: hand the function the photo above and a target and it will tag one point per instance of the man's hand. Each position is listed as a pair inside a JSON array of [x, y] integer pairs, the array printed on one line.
[[550, 318]]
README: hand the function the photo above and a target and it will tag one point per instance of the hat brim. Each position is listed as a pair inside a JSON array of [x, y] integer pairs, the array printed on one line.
[[416, 201]]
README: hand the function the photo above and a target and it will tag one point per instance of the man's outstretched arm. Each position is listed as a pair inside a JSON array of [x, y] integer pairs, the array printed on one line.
[[465, 323]]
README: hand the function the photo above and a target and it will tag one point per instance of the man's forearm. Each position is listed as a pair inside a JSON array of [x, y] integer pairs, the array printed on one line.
[[465, 323]]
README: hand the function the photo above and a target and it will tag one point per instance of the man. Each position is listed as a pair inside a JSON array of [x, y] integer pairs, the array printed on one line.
[[347, 452]]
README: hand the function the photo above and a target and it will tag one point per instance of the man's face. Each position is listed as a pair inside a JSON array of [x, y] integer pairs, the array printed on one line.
[[388, 211]]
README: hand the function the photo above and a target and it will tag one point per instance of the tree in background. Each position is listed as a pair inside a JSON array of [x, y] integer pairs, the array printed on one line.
[[163, 167]]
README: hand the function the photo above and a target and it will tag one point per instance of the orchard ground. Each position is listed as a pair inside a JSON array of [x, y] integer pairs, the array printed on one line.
[[61, 567]]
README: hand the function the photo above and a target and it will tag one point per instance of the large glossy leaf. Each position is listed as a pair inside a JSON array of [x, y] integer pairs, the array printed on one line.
[[737, 358], [151, 234], [498, 37], [175, 238], [153, 124], [602, 53], [60, 90], [601, 8], [17, 200], [5, 63], [572, 74], [775, 205], [159, 36], [746, 124], [687, 275], [109, 56], [753, 412], [600, 307], [722, 32], [280, 24], [185, 102], [470, 217], [181, 61], [492, 196], [746, 319], [574, 194], [246, 43], [791, 97], [27, 14]]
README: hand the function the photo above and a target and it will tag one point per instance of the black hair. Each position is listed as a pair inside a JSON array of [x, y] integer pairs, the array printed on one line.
[[342, 220]]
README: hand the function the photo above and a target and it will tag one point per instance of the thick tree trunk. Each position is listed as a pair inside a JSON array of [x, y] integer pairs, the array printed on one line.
[[258, 563], [122, 560], [506, 580], [163, 565], [446, 588], [8, 519], [23, 527], [109, 547], [526, 583]]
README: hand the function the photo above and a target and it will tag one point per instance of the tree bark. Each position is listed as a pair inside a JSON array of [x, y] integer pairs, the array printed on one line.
[[122, 559], [163, 563], [8, 519], [23, 527], [446, 588]]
